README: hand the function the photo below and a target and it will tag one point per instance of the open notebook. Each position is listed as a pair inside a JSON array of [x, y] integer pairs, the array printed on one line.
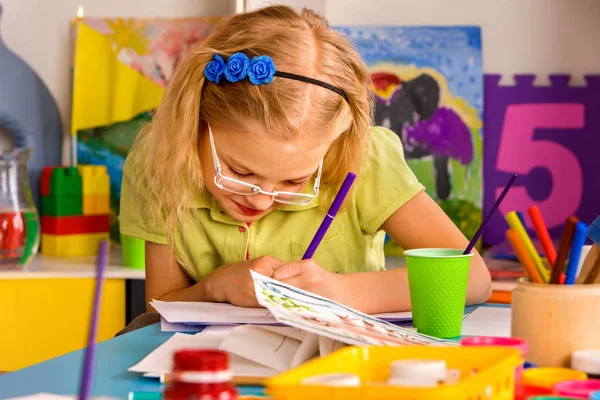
[[314, 326]]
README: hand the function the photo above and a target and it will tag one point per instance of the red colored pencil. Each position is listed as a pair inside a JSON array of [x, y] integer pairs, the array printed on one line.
[[563, 249], [542, 234]]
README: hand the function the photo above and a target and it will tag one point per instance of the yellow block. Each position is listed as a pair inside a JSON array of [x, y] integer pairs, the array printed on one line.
[[105, 90], [95, 179], [85, 244], [46, 318], [96, 204]]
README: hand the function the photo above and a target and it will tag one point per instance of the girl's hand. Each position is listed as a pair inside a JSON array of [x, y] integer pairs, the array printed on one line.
[[309, 276], [232, 283]]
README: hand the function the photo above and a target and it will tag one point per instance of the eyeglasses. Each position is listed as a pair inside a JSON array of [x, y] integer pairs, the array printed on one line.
[[247, 189]]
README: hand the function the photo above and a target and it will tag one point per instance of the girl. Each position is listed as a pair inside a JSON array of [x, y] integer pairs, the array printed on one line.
[[255, 133]]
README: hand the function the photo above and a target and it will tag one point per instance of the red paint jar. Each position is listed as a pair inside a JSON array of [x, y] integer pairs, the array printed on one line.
[[200, 375]]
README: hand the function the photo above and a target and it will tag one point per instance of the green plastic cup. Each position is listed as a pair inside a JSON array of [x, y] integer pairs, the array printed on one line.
[[437, 280], [134, 252]]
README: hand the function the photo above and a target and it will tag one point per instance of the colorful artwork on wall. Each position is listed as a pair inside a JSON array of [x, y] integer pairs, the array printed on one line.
[[120, 70], [428, 87]]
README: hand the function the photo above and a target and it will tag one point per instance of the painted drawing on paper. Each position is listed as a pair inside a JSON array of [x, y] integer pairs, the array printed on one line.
[[428, 89], [112, 103]]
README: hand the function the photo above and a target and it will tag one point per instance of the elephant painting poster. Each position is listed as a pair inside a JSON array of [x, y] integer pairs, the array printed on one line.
[[428, 89]]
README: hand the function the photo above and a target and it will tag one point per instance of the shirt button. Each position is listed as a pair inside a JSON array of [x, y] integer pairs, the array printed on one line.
[[242, 229]]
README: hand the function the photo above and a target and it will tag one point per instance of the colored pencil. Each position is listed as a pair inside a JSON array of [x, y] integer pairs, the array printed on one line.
[[592, 276], [521, 217], [90, 351], [542, 233], [333, 210], [500, 297], [521, 251], [489, 214], [515, 223], [578, 241], [563, 249]]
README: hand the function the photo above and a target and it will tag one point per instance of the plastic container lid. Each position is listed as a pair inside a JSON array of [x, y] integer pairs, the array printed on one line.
[[547, 377], [333, 379], [413, 382], [577, 388], [523, 392], [587, 361], [515, 343], [201, 360], [426, 370]]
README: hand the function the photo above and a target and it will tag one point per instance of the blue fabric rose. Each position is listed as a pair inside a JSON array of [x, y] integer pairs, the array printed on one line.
[[261, 70], [215, 68], [237, 67]]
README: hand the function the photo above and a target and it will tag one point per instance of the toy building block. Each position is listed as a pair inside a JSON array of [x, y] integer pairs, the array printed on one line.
[[45, 181], [96, 204], [62, 205], [65, 182], [75, 224], [72, 245], [95, 179], [61, 191]]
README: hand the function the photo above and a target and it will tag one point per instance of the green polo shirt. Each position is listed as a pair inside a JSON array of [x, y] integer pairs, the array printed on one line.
[[354, 242]]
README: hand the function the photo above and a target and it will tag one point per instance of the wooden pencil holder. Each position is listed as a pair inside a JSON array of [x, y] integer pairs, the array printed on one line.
[[556, 320]]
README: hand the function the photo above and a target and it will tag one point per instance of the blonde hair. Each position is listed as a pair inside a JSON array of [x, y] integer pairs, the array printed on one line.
[[298, 42]]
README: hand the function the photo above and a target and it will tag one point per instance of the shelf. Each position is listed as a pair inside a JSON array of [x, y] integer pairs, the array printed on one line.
[[44, 267]]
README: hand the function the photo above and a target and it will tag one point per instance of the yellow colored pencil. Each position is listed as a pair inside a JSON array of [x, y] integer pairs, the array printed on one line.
[[523, 255], [515, 223]]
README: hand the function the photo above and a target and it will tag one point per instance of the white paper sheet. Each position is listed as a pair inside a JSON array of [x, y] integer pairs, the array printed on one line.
[[160, 361], [327, 346], [321, 316], [488, 321], [198, 313], [274, 350], [309, 348]]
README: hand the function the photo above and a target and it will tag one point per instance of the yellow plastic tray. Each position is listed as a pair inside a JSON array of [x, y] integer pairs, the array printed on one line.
[[487, 373]]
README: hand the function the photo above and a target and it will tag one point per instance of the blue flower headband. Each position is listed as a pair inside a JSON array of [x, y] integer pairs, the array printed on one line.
[[259, 70]]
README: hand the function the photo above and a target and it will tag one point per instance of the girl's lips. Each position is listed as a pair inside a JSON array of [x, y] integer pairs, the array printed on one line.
[[246, 210]]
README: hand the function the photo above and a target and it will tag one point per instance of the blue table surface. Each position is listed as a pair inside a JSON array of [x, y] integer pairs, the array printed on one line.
[[61, 375]]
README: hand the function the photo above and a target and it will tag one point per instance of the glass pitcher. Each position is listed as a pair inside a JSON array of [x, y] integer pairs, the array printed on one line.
[[19, 222]]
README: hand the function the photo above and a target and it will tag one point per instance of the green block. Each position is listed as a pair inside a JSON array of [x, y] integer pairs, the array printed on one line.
[[60, 206], [66, 182]]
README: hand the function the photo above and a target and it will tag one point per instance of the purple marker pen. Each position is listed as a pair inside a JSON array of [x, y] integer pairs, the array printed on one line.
[[333, 210], [90, 352]]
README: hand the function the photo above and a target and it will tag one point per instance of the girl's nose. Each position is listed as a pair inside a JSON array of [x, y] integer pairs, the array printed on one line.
[[260, 201]]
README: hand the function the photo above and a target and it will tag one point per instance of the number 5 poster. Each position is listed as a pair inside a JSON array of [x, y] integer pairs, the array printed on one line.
[[550, 136]]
